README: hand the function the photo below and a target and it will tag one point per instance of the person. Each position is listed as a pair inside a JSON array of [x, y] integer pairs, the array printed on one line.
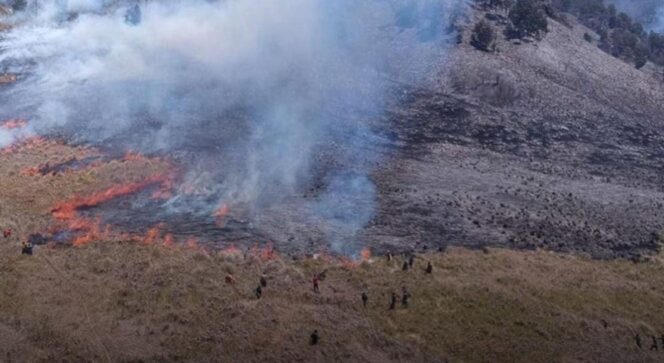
[[26, 248], [393, 300], [263, 281], [315, 281], [259, 292], [365, 298], [389, 256], [637, 337], [404, 298], [429, 268], [405, 266], [411, 261], [314, 337], [654, 343], [229, 279]]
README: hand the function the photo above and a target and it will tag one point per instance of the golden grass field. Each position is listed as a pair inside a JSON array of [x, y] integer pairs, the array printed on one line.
[[115, 301]]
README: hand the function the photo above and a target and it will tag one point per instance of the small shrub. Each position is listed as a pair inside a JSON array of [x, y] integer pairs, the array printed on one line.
[[483, 37], [588, 38], [528, 18]]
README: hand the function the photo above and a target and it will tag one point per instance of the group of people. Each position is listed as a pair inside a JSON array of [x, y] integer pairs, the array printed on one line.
[[653, 345], [406, 296]]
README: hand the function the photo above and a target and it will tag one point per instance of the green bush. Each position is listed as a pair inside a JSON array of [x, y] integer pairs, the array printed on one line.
[[483, 37], [528, 18]]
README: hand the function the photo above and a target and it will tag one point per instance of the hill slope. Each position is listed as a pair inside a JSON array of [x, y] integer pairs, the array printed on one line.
[[549, 143], [130, 302]]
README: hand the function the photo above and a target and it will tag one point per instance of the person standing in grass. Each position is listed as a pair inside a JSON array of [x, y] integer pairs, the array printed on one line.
[[393, 300], [405, 297], [316, 281]]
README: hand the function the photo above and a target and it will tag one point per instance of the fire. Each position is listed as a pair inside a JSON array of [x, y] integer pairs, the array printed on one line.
[[133, 155], [67, 210], [27, 143], [165, 190], [168, 240], [152, 235], [192, 242], [365, 254], [221, 213], [266, 253], [31, 171], [14, 123], [91, 229], [231, 251], [8, 78]]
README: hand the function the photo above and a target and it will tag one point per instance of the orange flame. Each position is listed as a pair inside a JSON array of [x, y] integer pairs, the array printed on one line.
[[192, 242], [152, 235], [266, 253], [168, 240], [221, 213], [67, 210], [15, 123], [365, 254]]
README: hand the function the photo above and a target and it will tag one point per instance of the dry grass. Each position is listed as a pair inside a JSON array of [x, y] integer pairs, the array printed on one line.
[[114, 301], [27, 199], [127, 302]]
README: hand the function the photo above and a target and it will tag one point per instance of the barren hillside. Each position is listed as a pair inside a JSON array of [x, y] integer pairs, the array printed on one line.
[[550, 143]]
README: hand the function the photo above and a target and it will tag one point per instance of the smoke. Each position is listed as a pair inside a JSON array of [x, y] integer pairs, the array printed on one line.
[[657, 24], [650, 13], [251, 91]]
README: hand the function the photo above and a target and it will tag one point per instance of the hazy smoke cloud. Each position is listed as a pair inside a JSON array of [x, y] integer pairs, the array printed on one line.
[[650, 13], [253, 88]]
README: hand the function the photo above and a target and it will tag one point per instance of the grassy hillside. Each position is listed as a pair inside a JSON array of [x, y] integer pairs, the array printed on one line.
[[129, 302]]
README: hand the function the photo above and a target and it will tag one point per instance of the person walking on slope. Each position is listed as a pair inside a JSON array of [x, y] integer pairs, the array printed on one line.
[[314, 337], [393, 300], [259, 292], [26, 248], [365, 298], [316, 281], [405, 297]]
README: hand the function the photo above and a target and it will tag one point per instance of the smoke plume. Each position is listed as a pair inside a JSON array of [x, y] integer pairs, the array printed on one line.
[[249, 92]]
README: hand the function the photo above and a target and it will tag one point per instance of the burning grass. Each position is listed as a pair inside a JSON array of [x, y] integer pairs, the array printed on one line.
[[130, 301], [36, 202]]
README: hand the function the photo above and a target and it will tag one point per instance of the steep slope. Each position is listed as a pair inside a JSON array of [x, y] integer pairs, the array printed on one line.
[[549, 143]]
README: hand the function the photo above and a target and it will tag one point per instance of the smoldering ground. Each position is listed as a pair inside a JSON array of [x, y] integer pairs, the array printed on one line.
[[259, 99]]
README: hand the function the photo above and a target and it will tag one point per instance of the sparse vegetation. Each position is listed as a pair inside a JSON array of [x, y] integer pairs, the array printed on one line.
[[483, 37], [528, 18], [127, 302], [620, 35]]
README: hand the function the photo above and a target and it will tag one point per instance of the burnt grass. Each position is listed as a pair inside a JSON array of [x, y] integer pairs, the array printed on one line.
[[542, 144], [457, 179]]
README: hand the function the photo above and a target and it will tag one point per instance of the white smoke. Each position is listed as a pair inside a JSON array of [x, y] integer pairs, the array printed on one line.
[[267, 81], [650, 13]]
